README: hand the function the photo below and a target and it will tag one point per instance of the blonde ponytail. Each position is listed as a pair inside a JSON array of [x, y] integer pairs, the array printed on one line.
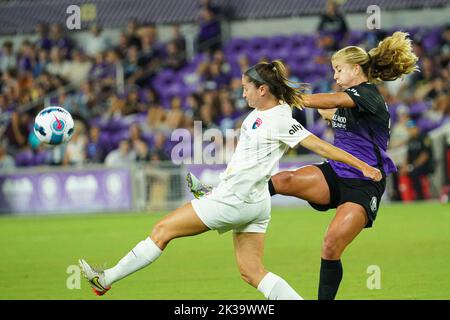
[[391, 59]]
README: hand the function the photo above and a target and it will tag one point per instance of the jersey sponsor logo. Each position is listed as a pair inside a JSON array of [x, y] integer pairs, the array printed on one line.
[[257, 123], [294, 128], [373, 204], [339, 122]]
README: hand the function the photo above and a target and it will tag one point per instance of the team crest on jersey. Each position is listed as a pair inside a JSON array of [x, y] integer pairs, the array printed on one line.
[[373, 204], [257, 123]]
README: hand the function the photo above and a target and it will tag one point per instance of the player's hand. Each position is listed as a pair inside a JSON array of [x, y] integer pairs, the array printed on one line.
[[327, 114], [372, 173]]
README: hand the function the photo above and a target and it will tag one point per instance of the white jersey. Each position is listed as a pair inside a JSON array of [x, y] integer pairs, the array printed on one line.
[[264, 138]]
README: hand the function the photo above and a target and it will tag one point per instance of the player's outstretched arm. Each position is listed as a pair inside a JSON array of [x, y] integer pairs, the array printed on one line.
[[328, 100], [329, 151]]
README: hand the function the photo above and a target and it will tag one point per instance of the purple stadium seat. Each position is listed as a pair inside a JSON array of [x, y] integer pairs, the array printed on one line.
[[40, 158], [296, 41], [24, 158], [278, 43], [164, 79], [356, 37], [119, 136], [236, 46], [258, 44]]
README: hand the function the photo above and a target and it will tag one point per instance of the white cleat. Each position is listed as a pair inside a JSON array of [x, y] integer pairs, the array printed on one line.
[[197, 188], [95, 278]]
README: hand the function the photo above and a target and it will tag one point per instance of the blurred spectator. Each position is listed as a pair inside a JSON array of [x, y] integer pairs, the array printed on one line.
[[123, 45], [227, 115], [96, 41], [18, 131], [193, 101], [150, 55], [132, 104], [177, 38], [209, 37], [95, 149], [420, 158], [142, 151], [134, 134], [158, 151], [175, 115], [99, 69], [78, 68], [132, 35], [156, 119], [58, 65], [113, 61], [61, 41], [42, 40], [122, 156], [440, 108], [236, 94], [7, 58], [85, 101], [207, 117], [217, 76], [6, 160], [10, 85], [444, 42], [41, 63], [221, 60], [131, 63], [76, 148], [400, 131], [116, 104], [175, 58], [27, 57], [332, 27]]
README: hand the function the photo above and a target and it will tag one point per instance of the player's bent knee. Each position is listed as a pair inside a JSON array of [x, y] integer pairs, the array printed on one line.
[[280, 180]]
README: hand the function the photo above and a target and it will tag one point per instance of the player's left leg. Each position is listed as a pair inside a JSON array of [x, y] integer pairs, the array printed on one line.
[[180, 223], [350, 219], [249, 250]]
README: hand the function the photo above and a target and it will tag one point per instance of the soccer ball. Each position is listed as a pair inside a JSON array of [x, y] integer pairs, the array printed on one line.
[[54, 125]]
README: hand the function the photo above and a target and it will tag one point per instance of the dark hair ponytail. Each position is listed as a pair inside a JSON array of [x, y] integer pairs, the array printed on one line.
[[275, 76]]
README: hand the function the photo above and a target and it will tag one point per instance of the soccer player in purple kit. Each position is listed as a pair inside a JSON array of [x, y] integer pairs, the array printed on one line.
[[361, 122]]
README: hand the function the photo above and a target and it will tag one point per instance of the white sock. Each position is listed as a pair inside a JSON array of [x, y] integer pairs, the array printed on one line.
[[141, 256], [274, 287]]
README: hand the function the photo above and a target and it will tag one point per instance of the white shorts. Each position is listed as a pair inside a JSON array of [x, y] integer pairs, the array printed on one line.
[[221, 210]]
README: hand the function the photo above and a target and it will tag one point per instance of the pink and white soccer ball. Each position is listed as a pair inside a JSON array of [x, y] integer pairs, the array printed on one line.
[[54, 125]]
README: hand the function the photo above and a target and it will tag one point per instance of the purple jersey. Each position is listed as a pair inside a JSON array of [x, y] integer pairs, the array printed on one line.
[[363, 131]]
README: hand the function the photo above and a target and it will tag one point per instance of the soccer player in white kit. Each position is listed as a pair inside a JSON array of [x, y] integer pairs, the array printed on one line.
[[241, 201]]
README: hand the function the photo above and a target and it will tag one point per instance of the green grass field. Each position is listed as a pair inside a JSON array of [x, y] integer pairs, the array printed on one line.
[[409, 243]]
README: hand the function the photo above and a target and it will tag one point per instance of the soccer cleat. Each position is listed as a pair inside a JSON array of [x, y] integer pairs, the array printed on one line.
[[197, 188], [94, 277]]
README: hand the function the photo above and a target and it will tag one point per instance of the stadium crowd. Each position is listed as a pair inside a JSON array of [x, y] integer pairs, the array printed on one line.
[[127, 95]]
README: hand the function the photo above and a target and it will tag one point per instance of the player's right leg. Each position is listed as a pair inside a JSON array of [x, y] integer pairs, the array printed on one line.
[[180, 223], [249, 250], [306, 183]]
